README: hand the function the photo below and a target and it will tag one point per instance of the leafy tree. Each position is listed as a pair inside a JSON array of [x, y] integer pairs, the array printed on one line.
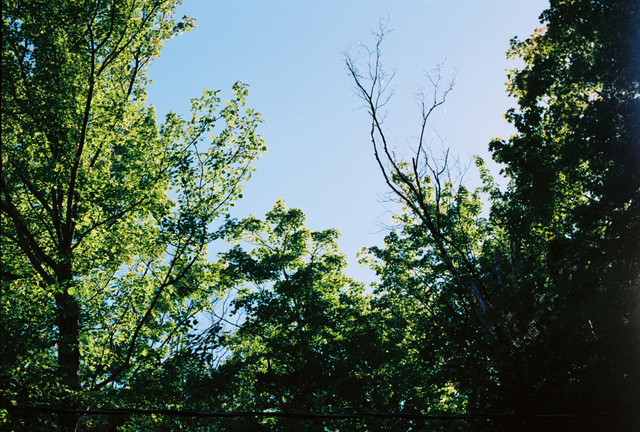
[[444, 350], [105, 214], [446, 264], [540, 299], [293, 349], [572, 206]]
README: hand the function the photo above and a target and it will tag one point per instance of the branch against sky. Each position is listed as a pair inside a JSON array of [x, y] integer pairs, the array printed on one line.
[[106, 215], [421, 182]]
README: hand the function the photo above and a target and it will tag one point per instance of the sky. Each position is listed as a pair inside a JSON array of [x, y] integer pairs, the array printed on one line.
[[292, 56]]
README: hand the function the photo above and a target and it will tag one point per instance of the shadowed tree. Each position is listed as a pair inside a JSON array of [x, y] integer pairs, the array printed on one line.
[[541, 297], [294, 347]]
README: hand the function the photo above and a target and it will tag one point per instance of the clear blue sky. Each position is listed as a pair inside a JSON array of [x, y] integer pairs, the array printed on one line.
[[291, 53]]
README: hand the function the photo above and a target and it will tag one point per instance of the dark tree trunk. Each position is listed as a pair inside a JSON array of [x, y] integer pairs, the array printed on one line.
[[68, 321]]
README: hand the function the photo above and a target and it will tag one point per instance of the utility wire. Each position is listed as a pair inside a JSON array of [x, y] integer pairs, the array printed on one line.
[[18, 409]]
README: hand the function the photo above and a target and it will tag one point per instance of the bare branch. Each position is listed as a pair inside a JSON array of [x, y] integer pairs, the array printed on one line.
[[406, 180]]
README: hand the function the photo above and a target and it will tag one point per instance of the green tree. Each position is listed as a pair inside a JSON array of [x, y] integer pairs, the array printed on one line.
[[446, 357], [447, 260], [106, 215], [539, 299], [294, 347], [572, 206]]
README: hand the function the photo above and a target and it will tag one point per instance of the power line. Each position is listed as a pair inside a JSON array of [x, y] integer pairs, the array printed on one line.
[[317, 416]]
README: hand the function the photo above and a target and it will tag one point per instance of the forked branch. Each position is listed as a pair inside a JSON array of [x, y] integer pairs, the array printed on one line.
[[408, 180]]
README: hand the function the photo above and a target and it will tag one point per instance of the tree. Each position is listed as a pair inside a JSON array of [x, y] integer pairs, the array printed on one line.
[[542, 295], [106, 216], [447, 256], [294, 348], [572, 205], [447, 359]]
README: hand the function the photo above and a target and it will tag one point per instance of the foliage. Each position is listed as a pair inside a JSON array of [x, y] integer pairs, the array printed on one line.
[[421, 299], [572, 203], [534, 308], [294, 347], [105, 215], [516, 301]]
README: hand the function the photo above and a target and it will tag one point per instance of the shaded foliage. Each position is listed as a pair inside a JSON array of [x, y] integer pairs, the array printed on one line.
[[540, 299], [572, 207]]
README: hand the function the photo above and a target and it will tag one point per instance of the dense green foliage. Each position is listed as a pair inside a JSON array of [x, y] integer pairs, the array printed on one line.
[[572, 208], [534, 308], [105, 214], [294, 348], [523, 300]]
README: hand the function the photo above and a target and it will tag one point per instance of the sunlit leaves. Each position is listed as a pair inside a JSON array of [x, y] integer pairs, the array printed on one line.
[[105, 213]]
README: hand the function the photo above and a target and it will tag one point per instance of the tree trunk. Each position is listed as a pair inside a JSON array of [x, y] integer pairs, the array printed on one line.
[[68, 321]]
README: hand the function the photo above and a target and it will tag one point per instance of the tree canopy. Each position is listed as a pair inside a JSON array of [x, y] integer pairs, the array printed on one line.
[[512, 308], [541, 295], [105, 213]]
